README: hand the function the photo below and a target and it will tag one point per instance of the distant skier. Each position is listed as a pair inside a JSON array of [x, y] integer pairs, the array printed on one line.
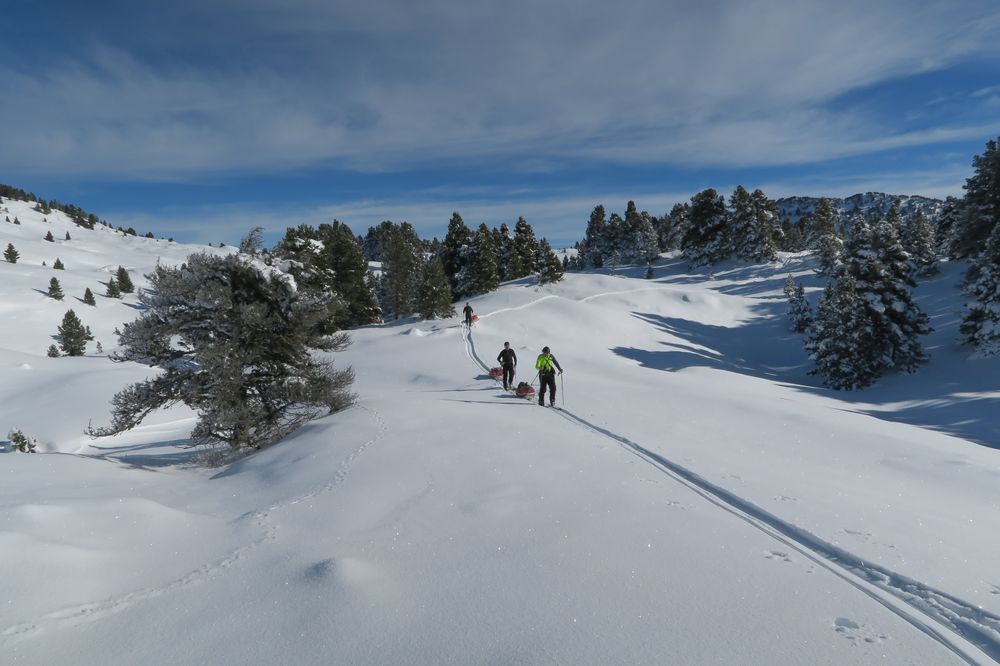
[[467, 311], [547, 366], [508, 361]]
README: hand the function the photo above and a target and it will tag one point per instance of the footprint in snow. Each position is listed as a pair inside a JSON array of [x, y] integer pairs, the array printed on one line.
[[785, 498], [995, 590], [857, 633], [777, 555]]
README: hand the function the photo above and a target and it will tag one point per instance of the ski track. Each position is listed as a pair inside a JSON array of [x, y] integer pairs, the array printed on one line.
[[969, 632], [92, 611]]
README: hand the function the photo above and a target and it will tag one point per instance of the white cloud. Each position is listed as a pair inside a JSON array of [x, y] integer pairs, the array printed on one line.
[[396, 84]]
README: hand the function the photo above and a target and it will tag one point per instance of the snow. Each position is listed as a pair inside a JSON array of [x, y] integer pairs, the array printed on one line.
[[698, 498]]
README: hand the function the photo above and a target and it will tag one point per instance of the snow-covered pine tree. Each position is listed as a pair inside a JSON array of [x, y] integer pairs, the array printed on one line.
[[49, 237], [742, 223], [88, 297], [456, 242], [592, 251], [708, 238], [841, 341], [113, 291], [503, 243], [236, 341], [822, 237], [53, 352], [434, 298], [58, 265], [639, 241], [882, 273], [919, 242], [21, 442], [11, 254], [981, 204], [670, 228], [124, 281], [799, 311], [792, 239], [348, 271], [402, 264], [981, 321], [67, 236], [523, 261], [767, 231], [550, 269], [73, 335], [479, 275], [55, 289]]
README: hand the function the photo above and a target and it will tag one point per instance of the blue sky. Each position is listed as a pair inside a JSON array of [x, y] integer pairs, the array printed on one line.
[[199, 120]]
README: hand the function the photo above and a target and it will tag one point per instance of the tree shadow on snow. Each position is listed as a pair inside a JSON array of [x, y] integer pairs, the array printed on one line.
[[166, 453]]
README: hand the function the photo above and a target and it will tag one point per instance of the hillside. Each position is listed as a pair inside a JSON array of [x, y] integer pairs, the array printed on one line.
[[699, 498], [867, 205]]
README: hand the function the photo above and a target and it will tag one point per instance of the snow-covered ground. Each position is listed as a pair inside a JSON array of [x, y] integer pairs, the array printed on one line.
[[698, 498]]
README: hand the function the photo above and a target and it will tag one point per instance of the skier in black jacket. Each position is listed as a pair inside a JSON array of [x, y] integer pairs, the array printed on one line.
[[467, 311], [508, 361]]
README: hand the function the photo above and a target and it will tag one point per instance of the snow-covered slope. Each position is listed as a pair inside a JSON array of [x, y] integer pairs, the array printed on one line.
[[698, 499], [864, 205]]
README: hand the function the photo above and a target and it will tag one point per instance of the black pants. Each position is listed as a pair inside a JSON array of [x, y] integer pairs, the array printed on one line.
[[508, 376], [549, 381]]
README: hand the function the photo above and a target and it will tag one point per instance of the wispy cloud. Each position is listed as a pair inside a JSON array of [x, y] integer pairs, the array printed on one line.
[[304, 83]]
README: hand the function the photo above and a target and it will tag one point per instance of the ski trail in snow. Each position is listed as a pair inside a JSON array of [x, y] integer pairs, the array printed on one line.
[[963, 628], [628, 291], [92, 611], [519, 307], [978, 631]]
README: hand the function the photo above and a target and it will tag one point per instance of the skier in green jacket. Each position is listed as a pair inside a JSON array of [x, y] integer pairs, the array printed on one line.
[[546, 364]]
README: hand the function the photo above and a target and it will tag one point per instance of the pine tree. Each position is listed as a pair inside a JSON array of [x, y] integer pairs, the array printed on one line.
[[841, 341], [639, 241], [799, 311], [874, 258], [21, 442], [919, 241], [707, 239], [88, 297], [948, 224], [100, 347], [125, 285], [49, 237], [550, 268], [524, 258], [592, 253], [823, 238], [73, 335], [348, 270], [402, 263], [237, 345], [762, 244], [11, 254], [480, 274], [456, 242], [673, 227], [503, 242], [981, 321], [434, 299], [981, 204], [67, 236], [58, 265], [53, 352], [113, 290], [55, 290]]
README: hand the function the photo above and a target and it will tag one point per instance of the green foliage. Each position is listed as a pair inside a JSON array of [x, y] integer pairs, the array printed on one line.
[[53, 352], [21, 442], [58, 265], [237, 345], [798, 307], [55, 289], [113, 290], [49, 237], [11, 254], [124, 282], [550, 268], [434, 299], [73, 335], [88, 297]]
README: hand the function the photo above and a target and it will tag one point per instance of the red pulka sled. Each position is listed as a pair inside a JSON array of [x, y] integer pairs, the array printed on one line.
[[496, 373], [524, 390]]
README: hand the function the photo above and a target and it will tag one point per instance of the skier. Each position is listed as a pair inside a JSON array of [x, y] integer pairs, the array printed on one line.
[[508, 361], [547, 366], [467, 311]]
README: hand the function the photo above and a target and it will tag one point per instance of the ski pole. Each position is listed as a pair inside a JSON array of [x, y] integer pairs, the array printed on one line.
[[562, 389]]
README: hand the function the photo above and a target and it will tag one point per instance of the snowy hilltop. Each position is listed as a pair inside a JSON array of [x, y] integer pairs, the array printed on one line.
[[866, 205], [696, 496]]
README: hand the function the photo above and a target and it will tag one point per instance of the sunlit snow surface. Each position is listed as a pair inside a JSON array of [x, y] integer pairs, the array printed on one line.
[[698, 498]]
